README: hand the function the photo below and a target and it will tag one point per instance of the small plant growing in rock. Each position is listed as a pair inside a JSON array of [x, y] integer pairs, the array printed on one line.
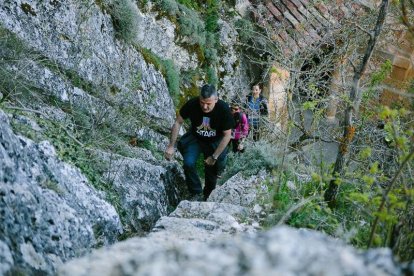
[[169, 6], [124, 14], [173, 80], [52, 185], [191, 26]]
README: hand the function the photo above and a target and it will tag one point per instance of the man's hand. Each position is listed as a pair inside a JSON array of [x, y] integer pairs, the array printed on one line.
[[210, 161], [169, 152]]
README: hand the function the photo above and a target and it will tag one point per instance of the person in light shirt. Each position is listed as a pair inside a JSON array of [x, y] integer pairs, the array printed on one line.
[[256, 108]]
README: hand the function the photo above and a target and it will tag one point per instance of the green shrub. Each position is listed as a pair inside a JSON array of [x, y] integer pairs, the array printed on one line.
[[245, 30], [377, 78], [299, 204], [172, 75], [142, 4], [197, 25], [169, 6], [190, 4], [189, 86], [150, 145], [212, 76], [13, 53], [124, 14], [78, 81], [257, 156], [151, 58], [12, 47], [190, 77], [210, 55], [210, 51], [212, 16], [191, 26], [168, 69]]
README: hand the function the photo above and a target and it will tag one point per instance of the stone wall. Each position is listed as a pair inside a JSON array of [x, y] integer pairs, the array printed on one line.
[[401, 55], [278, 81]]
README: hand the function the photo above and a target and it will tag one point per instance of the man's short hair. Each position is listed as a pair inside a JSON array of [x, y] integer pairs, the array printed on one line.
[[207, 91]]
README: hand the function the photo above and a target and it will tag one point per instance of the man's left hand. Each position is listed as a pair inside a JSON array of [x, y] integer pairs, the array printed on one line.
[[210, 161], [169, 152]]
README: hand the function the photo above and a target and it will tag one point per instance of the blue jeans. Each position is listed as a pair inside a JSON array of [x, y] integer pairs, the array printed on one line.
[[191, 148]]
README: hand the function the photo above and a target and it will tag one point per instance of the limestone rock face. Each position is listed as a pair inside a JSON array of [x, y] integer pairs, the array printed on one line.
[[68, 54], [159, 36], [235, 82], [79, 39], [6, 258], [49, 212]]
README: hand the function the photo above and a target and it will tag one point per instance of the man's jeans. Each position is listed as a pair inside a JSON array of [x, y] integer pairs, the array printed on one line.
[[190, 147]]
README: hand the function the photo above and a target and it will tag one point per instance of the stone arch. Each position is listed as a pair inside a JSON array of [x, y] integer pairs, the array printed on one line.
[[402, 73]]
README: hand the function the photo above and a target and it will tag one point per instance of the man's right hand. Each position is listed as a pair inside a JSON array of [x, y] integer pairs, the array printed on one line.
[[169, 152]]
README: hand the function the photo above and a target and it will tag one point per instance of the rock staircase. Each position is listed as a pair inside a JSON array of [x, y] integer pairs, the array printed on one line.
[[221, 237]]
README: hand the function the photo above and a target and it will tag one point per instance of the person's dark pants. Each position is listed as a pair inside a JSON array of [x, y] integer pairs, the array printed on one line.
[[191, 148]]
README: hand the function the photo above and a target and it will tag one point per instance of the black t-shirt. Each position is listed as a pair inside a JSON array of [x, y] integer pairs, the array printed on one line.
[[208, 127]]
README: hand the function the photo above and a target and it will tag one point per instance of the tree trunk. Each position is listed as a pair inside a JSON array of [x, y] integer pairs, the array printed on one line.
[[353, 106]]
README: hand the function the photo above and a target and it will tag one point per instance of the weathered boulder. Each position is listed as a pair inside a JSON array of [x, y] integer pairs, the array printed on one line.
[[146, 190], [49, 212], [241, 191]]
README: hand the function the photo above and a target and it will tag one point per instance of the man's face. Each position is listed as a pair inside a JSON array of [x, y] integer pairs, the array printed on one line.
[[208, 104]]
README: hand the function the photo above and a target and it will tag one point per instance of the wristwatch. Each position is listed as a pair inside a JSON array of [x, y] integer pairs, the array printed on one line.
[[214, 158]]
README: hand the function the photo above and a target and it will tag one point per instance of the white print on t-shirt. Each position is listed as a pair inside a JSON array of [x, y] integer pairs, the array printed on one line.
[[204, 129]]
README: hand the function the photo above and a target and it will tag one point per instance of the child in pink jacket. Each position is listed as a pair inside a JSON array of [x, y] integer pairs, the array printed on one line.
[[241, 129]]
